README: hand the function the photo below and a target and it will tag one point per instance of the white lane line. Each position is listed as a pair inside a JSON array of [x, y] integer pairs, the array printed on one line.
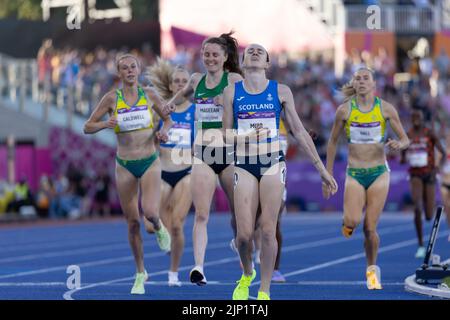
[[210, 283], [357, 256], [68, 294], [123, 245]]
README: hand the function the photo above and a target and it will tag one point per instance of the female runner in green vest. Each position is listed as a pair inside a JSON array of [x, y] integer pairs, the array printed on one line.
[[212, 157], [137, 164], [363, 116]]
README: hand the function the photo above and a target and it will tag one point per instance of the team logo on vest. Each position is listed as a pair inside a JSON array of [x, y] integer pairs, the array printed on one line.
[[188, 117], [269, 97]]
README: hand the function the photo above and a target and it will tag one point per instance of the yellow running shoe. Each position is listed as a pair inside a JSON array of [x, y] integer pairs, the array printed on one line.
[[163, 238], [346, 231], [262, 296], [138, 287], [373, 275], [241, 291]]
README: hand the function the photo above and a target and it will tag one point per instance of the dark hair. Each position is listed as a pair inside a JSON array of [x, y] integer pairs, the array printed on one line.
[[230, 46]]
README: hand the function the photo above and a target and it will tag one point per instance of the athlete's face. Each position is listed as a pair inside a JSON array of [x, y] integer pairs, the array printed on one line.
[[416, 118], [179, 80], [255, 56], [213, 57], [363, 82], [128, 69]]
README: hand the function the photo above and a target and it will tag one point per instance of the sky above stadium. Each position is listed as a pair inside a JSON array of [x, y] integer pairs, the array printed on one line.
[[277, 25]]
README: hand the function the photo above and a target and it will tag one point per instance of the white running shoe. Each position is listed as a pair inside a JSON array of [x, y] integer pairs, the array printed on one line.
[[173, 279], [197, 276]]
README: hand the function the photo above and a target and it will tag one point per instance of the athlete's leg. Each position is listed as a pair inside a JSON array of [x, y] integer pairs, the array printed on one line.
[[279, 236], [203, 186], [354, 201], [271, 188], [181, 200], [246, 198], [429, 199], [127, 189], [151, 194], [417, 198], [376, 198], [226, 178], [446, 201], [151, 197], [166, 190]]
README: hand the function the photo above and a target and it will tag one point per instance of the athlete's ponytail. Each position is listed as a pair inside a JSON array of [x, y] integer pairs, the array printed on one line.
[[160, 74], [230, 46]]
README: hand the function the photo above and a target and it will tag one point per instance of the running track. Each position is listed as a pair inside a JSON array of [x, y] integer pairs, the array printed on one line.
[[318, 262]]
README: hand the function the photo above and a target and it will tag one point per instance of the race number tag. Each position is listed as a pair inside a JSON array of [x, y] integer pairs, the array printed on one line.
[[208, 114], [248, 122], [133, 118], [365, 132], [180, 135], [418, 158]]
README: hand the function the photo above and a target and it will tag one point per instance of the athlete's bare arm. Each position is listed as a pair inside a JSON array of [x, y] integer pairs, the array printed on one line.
[[188, 89], [338, 126], [392, 115], [105, 106], [303, 137]]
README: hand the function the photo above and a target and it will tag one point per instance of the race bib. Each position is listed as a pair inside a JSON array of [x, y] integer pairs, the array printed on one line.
[[365, 132], [180, 135], [418, 158], [248, 122], [208, 114], [133, 118]]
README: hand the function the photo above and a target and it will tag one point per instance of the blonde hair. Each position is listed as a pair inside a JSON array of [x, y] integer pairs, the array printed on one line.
[[348, 90], [124, 56], [161, 74]]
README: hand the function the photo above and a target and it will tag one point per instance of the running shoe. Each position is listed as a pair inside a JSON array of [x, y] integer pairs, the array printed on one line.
[[197, 276], [346, 231], [278, 277], [173, 279], [262, 296], [163, 238], [138, 287], [421, 251], [241, 291], [373, 275]]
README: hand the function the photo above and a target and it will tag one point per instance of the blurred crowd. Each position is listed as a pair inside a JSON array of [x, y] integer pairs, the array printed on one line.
[[420, 81], [71, 195]]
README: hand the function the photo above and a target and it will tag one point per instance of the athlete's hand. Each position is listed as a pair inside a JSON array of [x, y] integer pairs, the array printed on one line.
[[162, 136], [168, 108], [393, 145], [329, 185], [111, 123]]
